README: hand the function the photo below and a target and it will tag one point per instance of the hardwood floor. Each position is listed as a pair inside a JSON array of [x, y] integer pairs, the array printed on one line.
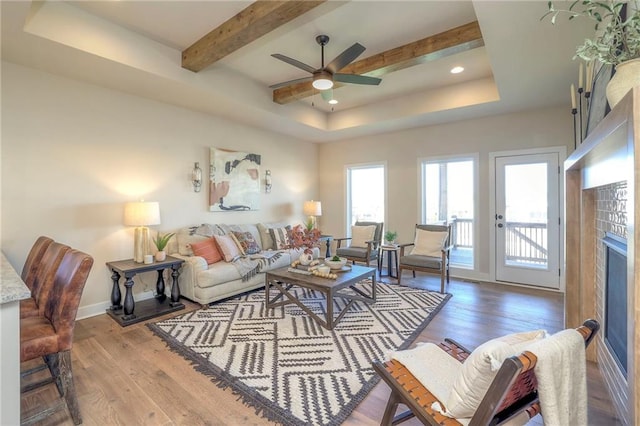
[[127, 376]]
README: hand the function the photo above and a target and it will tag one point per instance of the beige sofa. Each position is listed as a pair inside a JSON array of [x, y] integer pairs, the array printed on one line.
[[204, 283]]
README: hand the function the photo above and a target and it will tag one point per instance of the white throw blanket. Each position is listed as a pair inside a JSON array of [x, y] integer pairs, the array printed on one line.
[[562, 378]]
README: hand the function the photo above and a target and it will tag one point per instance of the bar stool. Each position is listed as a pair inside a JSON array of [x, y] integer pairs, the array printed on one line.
[[50, 336], [43, 280], [34, 258]]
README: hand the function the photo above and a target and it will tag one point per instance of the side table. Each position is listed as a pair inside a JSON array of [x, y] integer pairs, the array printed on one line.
[[131, 312], [392, 260]]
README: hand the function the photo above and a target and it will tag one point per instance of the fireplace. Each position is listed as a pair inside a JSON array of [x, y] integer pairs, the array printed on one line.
[[615, 306], [603, 196]]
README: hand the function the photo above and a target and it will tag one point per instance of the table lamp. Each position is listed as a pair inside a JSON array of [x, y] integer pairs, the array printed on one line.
[[312, 209], [141, 214]]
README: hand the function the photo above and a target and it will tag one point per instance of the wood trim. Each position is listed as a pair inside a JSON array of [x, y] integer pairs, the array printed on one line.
[[248, 25], [456, 40]]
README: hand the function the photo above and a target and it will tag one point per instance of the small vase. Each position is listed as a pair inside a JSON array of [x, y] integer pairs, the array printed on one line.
[[161, 256], [306, 259], [627, 75]]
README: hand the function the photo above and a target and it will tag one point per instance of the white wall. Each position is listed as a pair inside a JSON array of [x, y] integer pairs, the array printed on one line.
[[401, 151], [74, 153]]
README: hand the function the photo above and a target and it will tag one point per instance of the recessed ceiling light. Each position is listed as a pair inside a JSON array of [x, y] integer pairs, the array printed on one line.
[[333, 101], [456, 70]]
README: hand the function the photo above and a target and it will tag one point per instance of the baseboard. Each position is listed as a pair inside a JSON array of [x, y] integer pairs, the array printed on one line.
[[101, 307]]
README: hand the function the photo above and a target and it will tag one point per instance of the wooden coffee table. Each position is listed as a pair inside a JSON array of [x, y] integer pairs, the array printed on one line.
[[282, 280]]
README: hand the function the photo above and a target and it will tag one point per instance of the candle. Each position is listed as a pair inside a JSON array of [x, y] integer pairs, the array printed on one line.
[[148, 259], [580, 78], [573, 97], [589, 76]]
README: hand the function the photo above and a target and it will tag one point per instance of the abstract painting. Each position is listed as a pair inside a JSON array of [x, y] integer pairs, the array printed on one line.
[[234, 181]]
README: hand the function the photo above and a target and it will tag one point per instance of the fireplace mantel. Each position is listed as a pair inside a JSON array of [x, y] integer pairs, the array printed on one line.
[[608, 156]]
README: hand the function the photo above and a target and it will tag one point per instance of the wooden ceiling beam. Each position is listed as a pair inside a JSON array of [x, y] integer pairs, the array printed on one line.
[[251, 23], [456, 40]]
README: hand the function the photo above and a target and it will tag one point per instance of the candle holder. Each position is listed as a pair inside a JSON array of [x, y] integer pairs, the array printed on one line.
[[574, 111], [580, 91]]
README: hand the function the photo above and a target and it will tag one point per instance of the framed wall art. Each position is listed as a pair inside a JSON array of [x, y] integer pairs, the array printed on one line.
[[234, 181]]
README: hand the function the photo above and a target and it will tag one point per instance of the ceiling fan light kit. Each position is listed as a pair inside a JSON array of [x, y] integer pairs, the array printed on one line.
[[322, 80]]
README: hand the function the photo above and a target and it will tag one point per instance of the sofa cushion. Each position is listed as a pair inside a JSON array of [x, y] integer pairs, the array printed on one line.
[[429, 243], [219, 273], [280, 237], [421, 261], [208, 249], [361, 234], [247, 242], [228, 246]]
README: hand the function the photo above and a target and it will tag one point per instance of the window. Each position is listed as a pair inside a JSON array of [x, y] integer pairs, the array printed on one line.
[[365, 193], [448, 197]]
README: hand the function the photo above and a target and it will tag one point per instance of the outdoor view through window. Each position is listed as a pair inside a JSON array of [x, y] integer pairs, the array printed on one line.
[[448, 198]]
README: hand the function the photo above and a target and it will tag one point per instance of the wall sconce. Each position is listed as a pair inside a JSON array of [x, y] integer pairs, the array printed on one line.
[[267, 181], [196, 177]]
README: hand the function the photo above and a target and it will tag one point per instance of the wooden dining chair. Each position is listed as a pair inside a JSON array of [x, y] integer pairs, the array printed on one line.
[[50, 336], [512, 392]]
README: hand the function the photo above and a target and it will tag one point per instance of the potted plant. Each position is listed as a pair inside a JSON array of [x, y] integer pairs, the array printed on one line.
[[616, 40], [161, 242], [390, 237]]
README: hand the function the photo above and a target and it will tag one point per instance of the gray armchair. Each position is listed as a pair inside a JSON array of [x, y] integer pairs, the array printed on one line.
[[433, 264], [364, 254]]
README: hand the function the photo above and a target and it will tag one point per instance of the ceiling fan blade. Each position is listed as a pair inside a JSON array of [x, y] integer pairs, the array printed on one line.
[[294, 62], [287, 83], [356, 79], [345, 58]]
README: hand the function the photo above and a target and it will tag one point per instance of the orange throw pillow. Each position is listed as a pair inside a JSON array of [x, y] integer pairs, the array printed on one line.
[[207, 249]]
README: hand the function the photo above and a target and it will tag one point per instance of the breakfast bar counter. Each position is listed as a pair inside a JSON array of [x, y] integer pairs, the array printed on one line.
[[12, 291]]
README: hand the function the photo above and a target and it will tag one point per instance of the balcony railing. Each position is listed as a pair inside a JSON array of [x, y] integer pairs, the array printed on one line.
[[525, 242]]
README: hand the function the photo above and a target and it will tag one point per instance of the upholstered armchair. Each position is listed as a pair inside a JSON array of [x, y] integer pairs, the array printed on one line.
[[364, 242], [430, 252]]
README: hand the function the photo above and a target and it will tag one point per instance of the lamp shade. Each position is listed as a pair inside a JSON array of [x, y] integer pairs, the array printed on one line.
[[142, 213], [312, 208]]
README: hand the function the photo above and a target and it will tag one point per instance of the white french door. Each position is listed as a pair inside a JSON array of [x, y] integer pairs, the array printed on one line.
[[527, 219]]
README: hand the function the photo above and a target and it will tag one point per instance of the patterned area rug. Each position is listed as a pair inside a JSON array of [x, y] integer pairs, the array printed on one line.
[[288, 367]]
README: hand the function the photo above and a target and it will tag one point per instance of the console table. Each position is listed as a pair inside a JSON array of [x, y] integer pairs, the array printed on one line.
[[132, 312]]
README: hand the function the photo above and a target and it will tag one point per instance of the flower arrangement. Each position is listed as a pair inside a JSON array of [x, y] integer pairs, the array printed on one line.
[[301, 236], [617, 40]]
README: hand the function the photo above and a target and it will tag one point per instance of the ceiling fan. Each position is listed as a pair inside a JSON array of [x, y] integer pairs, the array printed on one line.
[[323, 77]]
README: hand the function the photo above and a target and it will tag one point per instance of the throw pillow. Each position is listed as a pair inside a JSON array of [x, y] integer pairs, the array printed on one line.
[[207, 249], [361, 234], [429, 243], [280, 237], [228, 246], [481, 367], [265, 235], [247, 242]]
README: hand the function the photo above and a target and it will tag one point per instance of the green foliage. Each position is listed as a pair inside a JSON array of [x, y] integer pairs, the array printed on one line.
[[616, 40], [162, 240], [390, 235]]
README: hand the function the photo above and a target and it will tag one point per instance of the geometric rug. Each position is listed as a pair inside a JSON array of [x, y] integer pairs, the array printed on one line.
[[285, 365]]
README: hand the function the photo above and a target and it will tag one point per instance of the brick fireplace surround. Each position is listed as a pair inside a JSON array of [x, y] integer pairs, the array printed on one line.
[[602, 184]]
